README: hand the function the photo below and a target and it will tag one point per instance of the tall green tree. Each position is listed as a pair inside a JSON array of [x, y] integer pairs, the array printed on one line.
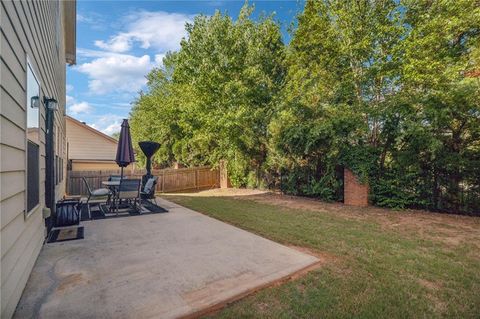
[[441, 50], [387, 88], [218, 91], [155, 116], [384, 88], [340, 91]]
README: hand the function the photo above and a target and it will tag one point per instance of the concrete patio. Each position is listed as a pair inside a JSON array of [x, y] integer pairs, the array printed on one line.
[[170, 265]]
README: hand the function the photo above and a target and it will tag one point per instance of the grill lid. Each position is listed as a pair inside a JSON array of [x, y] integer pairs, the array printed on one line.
[[149, 148]]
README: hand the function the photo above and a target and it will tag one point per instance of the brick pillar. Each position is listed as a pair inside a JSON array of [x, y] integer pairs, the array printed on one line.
[[355, 193], [224, 180]]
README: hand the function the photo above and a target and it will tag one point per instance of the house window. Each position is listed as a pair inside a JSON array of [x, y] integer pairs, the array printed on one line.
[[58, 162], [61, 169], [33, 140], [57, 170]]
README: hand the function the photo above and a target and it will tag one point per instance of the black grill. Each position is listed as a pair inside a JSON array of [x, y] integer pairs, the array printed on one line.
[[148, 148]]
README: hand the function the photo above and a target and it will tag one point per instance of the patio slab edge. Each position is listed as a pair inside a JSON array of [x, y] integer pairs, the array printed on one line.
[[237, 297]]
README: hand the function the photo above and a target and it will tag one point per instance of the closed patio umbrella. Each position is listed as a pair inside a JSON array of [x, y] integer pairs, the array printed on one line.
[[125, 154]]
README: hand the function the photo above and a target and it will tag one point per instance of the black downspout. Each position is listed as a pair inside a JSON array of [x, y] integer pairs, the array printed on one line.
[[49, 168]]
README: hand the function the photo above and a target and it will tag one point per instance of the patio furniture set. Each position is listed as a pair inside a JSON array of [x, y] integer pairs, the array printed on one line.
[[120, 193]]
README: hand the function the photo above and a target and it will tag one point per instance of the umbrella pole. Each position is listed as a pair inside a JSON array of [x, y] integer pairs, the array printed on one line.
[[121, 174]]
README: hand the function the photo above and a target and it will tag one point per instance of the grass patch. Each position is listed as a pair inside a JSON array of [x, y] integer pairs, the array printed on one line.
[[374, 272]]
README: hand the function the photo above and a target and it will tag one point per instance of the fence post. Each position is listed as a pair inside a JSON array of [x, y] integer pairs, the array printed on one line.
[[196, 178], [224, 180], [163, 182]]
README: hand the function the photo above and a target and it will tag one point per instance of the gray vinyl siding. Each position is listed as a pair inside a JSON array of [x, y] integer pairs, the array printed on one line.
[[28, 29]]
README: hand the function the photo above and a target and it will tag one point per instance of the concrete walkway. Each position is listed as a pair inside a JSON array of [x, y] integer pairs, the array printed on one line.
[[153, 266]]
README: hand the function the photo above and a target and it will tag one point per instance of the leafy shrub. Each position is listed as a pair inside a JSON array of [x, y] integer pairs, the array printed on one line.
[[397, 190], [324, 188]]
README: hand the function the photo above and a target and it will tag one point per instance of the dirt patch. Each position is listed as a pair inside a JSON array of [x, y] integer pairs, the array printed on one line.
[[221, 192], [429, 284], [322, 256], [433, 287], [265, 308]]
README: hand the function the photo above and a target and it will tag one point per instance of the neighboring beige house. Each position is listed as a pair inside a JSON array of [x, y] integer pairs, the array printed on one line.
[[89, 149], [37, 40]]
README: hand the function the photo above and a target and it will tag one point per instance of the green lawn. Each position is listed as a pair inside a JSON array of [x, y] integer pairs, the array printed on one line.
[[370, 270]]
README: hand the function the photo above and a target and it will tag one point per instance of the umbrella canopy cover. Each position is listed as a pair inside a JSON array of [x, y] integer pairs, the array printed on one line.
[[125, 154]]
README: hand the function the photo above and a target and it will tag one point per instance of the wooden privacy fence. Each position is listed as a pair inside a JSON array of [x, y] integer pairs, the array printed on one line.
[[169, 180]]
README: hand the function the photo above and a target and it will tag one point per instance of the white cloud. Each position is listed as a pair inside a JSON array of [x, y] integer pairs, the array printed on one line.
[[116, 73], [112, 128], [95, 20], [78, 108], [69, 100], [159, 59], [87, 53], [159, 30], [83, 18], [108, 123], [119, 43], [112, 105], [111, 71], [69, 88]]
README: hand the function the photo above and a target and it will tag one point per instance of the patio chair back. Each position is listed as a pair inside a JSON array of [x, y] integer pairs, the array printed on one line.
[[114, 178], [129, 189], [149, 188], [88, 186]]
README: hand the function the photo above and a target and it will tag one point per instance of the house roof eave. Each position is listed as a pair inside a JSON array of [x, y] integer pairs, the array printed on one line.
[[70, 30]]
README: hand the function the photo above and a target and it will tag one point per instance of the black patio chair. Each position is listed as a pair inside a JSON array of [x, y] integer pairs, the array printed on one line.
[[96, 194], [148, 191], [129, 190]]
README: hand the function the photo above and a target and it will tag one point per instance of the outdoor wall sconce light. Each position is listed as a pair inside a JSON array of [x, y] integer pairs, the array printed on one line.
[[50, 103], [34, 102]]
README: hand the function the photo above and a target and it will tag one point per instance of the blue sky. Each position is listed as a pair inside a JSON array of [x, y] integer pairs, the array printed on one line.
[[118, 42]]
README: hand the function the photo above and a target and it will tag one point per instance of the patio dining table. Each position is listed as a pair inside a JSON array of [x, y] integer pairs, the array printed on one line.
[[111, 184], [114, 200]]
